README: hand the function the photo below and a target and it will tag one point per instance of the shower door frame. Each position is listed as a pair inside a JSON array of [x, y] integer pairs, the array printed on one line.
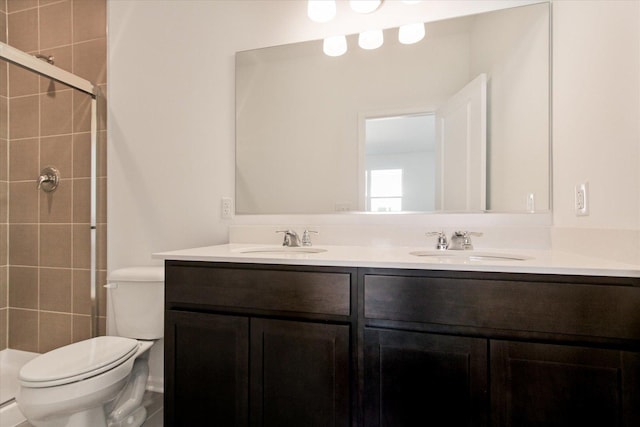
[[30, 62]]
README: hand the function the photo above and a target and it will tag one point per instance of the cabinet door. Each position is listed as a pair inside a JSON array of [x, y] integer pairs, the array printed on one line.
[[206, 369], [299, 374], [414, 378], [546, 385]]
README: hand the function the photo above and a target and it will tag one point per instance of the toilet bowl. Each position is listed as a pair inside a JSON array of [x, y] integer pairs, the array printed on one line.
[[100, 382]]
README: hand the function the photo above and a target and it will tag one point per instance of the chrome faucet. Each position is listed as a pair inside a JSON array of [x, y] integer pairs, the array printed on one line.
[[461, 240], [306, 237], [291, 238], [442, 243]]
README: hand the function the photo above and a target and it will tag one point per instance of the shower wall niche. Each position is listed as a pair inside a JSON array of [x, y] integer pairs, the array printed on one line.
[[45, 275]]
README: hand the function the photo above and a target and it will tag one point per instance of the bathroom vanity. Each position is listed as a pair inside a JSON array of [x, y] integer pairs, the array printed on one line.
[[307, 339]]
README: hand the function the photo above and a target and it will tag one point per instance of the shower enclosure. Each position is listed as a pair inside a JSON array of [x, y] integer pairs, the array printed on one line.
[[49, 211]]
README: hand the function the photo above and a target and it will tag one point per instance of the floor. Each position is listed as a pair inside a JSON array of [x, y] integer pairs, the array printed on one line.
[[152, 401], [10, 363]]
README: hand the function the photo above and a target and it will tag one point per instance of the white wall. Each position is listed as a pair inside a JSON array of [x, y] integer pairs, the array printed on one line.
[[596, 111], [171, 107], [596, 126]]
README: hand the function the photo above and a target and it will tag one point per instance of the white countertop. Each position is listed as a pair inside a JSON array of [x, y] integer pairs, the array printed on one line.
[[537, 262]]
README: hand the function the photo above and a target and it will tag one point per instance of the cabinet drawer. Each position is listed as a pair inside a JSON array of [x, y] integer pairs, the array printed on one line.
[[565, 308], [273, 290]]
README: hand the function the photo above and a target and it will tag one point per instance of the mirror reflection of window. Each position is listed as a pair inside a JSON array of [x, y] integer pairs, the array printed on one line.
[[385, 190], [400, 153]]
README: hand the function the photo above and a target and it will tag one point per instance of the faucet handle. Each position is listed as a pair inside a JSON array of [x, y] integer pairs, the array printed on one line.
[[466, 238], [442, 239], [306, 237], [290, 238]]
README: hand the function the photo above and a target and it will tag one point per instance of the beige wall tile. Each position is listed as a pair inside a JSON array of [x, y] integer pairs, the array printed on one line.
[[81, 302], [88, 20], [4, 117], [81, 328], [55, 245], [23, 160], [81, 246], [90, 60], [55, 25], [23, 30], [22, 82], [82, 155], [56, 112], [23, 244], [4, 244], [62, 59], [56, 207], [102, 154], [4, 72], [101, 247], [4, 313], [23, 332], [102, 326], [49, 118], [81, 112], [3, 5], [15, 5], [4, 159], [55, 331], [4, 297], [102, 292], [102, 106], [57, 151], [55, 289], [3, 24], [82, 200], [4, 198], [101, 202], [24, 117], [23, 287], [23, 205]]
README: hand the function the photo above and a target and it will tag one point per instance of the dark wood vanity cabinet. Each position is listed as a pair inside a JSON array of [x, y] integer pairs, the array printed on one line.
[[258, 346], [413, 376], [274, 345], [500, 349]]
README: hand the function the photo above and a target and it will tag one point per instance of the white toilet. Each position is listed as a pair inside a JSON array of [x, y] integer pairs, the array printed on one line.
[[100, 382]]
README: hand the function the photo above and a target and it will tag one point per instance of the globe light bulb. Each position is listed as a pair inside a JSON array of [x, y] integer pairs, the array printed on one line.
[[364, 6], [411, 33], [321, 10], [335, 46], [371, 39]]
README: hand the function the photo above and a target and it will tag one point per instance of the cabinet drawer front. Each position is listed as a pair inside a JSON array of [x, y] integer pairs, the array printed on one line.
[[274, 290], [591, 310]]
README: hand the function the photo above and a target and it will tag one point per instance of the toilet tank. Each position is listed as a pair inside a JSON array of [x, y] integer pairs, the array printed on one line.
[[136, 295]]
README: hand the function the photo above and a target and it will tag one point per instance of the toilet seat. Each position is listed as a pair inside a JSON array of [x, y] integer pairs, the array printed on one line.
[[78, 361]]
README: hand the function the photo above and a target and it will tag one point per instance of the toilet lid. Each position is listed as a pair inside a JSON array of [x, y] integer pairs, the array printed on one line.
[[77, 361]]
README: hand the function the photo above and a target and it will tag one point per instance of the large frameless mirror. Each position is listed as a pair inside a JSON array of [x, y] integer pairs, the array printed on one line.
[[457, 122]]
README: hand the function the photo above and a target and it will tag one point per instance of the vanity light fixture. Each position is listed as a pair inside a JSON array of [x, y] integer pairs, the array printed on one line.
[[334, 46], [321, 10], [411, 33], [371, 39], [364, 6]]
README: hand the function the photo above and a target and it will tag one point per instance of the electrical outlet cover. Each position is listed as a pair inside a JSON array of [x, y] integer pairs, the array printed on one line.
[[582, 199]]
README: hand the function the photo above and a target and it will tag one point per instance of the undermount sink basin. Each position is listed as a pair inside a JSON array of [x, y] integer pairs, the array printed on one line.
[[467, 256], [281, 250]]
